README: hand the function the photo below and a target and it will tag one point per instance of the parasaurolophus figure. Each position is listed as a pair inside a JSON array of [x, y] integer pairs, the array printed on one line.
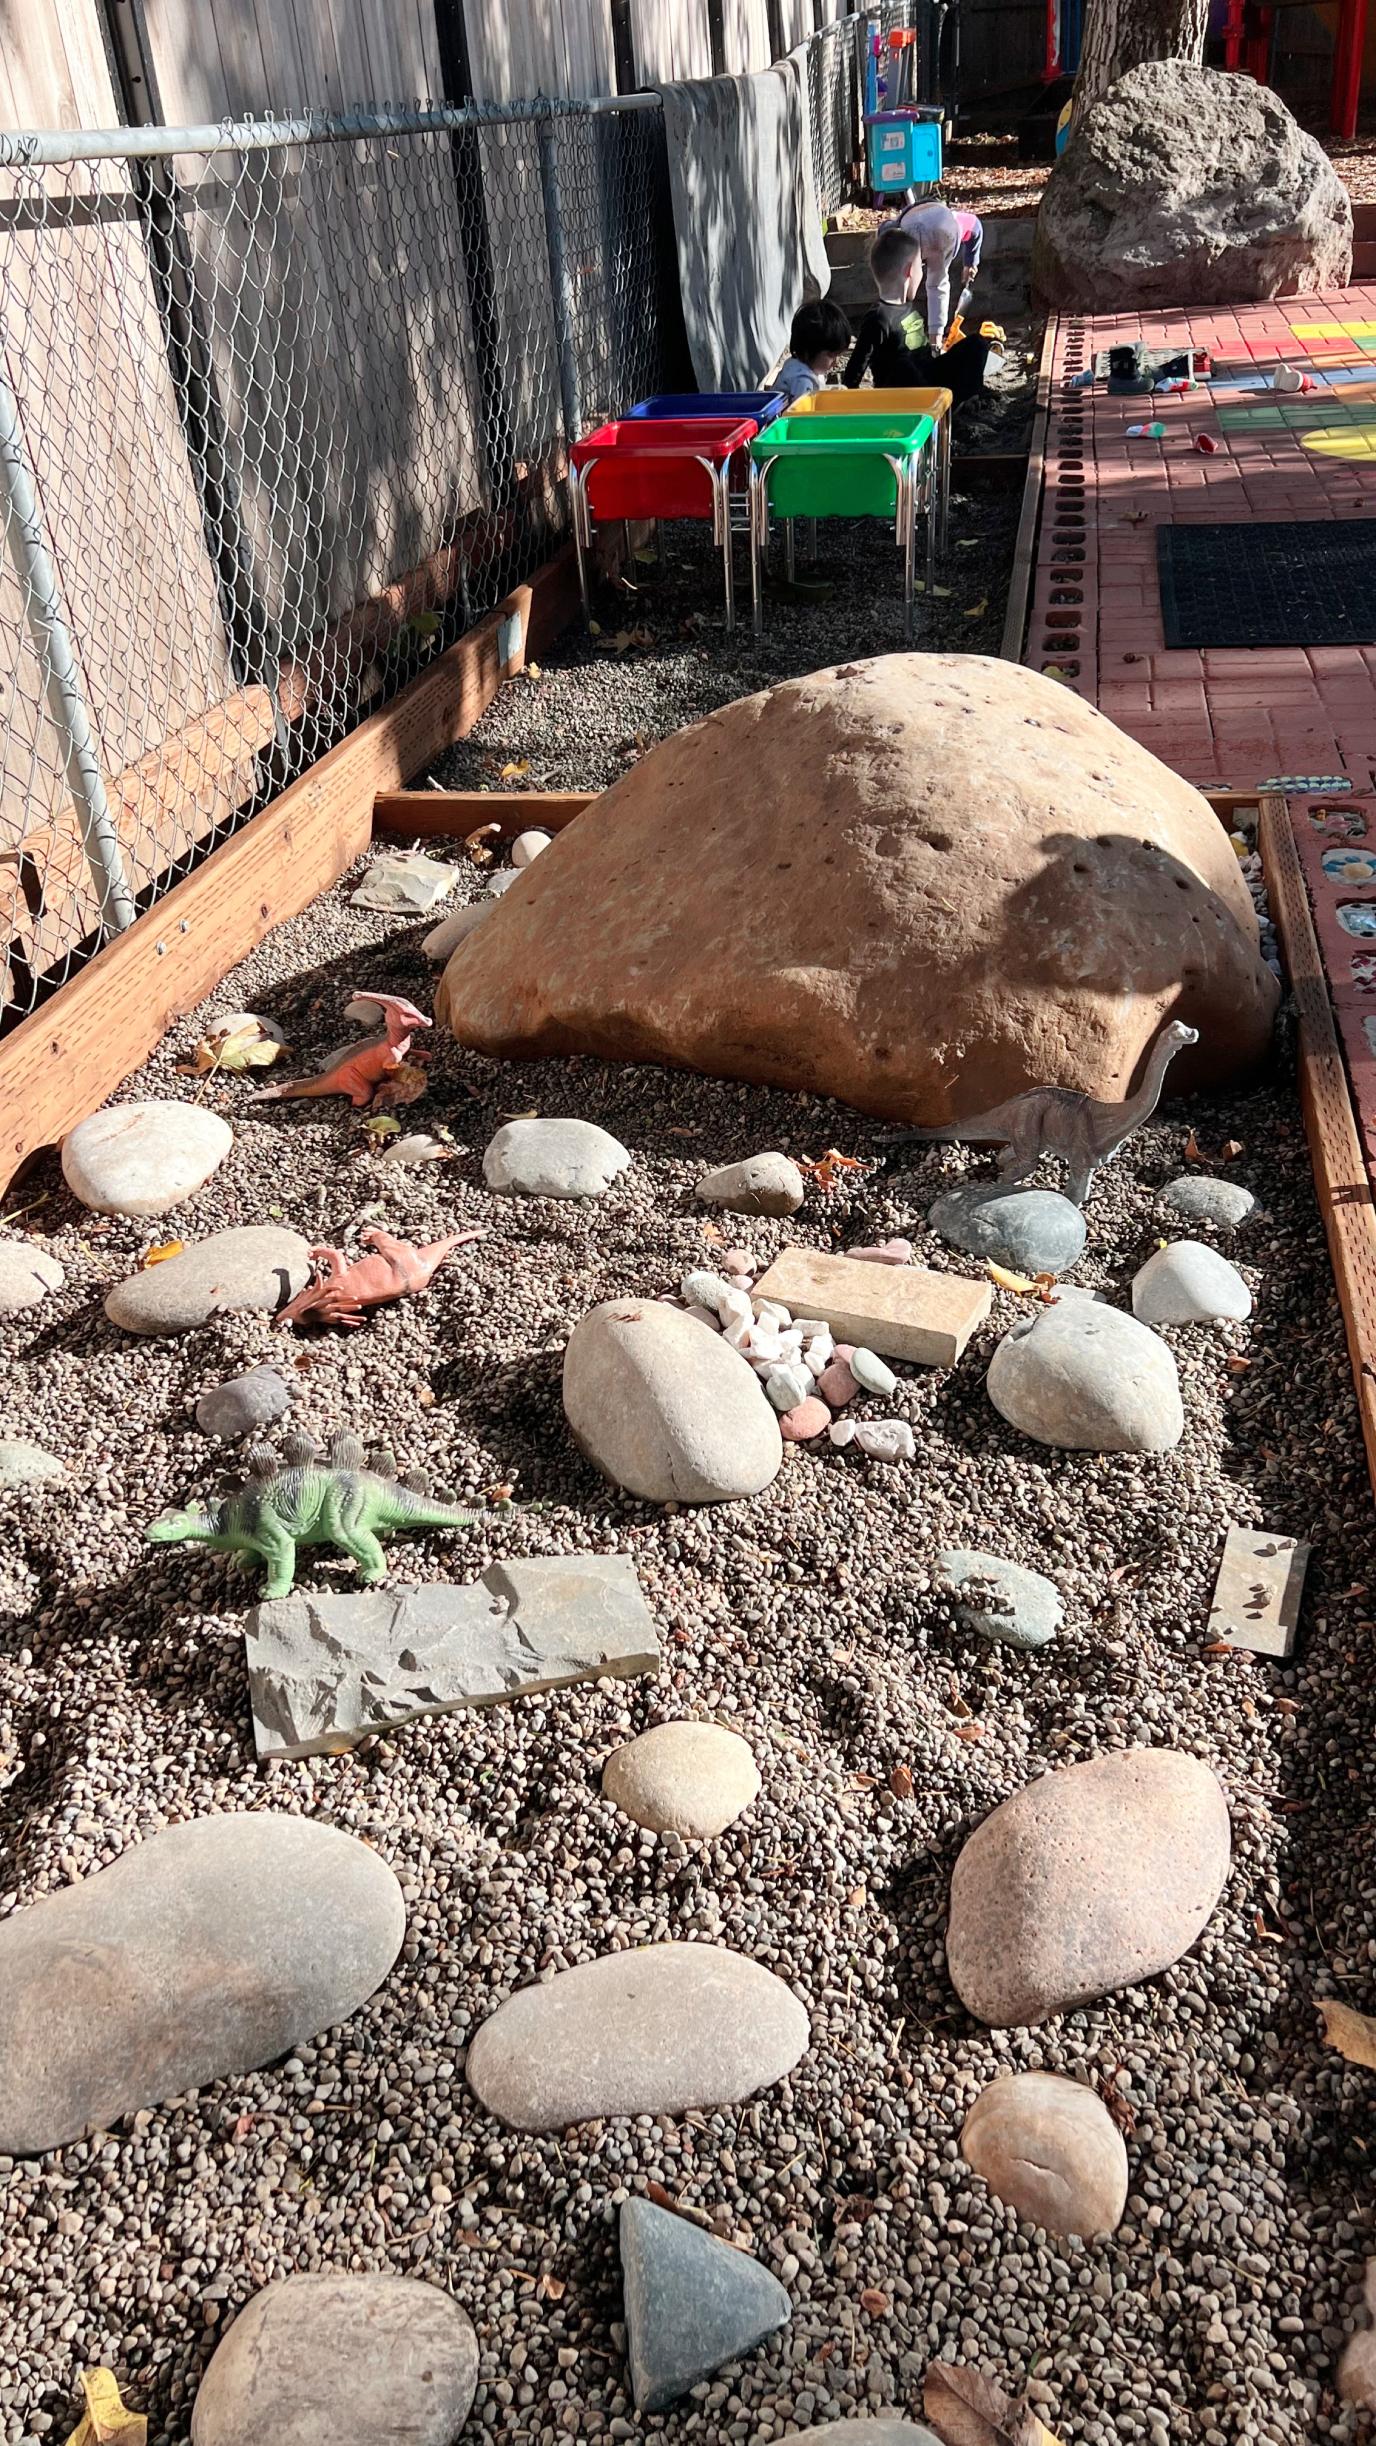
[[1084, 1131]]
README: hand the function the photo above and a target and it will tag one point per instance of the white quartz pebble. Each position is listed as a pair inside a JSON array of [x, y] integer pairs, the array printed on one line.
[[527, 846], [787, 1386]]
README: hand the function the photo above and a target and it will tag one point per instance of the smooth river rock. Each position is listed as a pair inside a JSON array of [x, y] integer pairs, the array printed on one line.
[[243, 1403], [999, 1600], [1198, 1198], [1037, 1231], [762, 1185], [452, 930], [666, 1408], [864, 2433], [1049, 2148], [143, 1159], [321, 2360], [202, 1953], [1089, 1379], [27, 1275], [1189, 1283], [328, 1667], [554, 1159], [257, 1266], [693, 2303], [684, 1778], [648, 2032], [26, 1464], [1094, 1877]]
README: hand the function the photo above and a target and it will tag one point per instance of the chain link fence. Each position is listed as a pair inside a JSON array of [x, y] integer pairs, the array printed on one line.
[[284, 409]]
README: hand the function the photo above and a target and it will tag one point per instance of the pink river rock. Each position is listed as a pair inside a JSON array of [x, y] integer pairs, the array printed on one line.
[[737, 1261], [809, 1418], [836, 1384], [887, 1252]]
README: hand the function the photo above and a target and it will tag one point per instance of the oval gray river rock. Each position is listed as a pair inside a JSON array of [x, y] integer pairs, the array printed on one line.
[[649, 2032], [255, 1266], [320, 2360], [205, 1951]]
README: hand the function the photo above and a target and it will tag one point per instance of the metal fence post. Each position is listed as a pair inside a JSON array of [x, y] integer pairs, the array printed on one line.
[[47, 619], [561, 284]]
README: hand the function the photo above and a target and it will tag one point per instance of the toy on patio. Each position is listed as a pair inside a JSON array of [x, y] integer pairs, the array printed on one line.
[[652, 465], [309, 1499], [1084, 1131], [342, 1287], [847, 466], [357, 1071]]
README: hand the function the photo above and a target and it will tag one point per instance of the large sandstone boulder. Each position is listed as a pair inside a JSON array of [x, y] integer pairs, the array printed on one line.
[[1185, 187], [919, 883]]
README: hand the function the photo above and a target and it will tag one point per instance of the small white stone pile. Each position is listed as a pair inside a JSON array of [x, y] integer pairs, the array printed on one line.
[[804, 1373]]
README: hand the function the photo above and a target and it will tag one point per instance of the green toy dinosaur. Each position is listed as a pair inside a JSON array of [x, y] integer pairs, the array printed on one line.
[[310, 1499]]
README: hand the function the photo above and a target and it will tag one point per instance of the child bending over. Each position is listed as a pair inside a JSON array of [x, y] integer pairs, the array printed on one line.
[[951, 244], [818, 343], [894, 345]]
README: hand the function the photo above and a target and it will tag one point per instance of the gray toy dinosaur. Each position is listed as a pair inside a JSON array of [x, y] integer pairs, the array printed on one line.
[[1083, 1130]]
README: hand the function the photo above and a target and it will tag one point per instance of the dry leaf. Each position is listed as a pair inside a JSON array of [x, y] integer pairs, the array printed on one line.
[[164, 1250], [106, 2421], [1193, 1154], [901, 1783], [1238, 1367], [551, 2289], [513, 772], [661, 2197], [1352, 2033], [978, 610], [1230, 1150], [594, 628], [1275, 1936], [533, 672], [710, 1232], [857, 1898], [874, 2302], [1008, 1281], [967, 2409], [969, 1732]]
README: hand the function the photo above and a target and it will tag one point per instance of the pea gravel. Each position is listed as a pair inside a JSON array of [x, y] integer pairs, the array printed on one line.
[[806, 1621]]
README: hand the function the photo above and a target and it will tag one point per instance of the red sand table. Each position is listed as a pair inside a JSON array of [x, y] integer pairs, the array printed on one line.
[[657, 467]]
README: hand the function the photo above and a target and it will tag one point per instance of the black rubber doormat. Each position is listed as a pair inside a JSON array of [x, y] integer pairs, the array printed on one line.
[[1308, 581]]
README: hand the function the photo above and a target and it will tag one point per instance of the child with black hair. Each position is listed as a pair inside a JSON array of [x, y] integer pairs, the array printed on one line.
[[894, 346], [818, 343]]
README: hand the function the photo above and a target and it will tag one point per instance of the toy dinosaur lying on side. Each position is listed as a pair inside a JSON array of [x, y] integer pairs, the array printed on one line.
[[1083, 1130], [343, 1288], [357, 1071], [310, 1499]]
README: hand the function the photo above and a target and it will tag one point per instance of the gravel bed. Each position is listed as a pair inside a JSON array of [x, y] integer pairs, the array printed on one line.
[[806, 1621]]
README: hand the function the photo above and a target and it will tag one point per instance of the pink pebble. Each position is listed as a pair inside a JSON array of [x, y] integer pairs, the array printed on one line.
[[811, 1417], [836, 1384], [740, 1282], [888, 1252], [844, 1350], [737, 1261]]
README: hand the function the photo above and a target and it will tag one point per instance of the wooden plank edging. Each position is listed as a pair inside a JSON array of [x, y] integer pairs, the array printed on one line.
[[1340, 1171], [1025, 549], [63, 1061], [415, 815]]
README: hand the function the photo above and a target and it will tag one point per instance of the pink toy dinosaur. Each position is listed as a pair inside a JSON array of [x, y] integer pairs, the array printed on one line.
[[357, 1071], [341, 1291]]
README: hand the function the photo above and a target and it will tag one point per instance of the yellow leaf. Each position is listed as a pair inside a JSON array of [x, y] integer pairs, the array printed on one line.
[[164, 1250], [943, 592], [1352, 2033], [106, 2421], [967, 543], [1008, 1281], [532, 670], [978, 610], [621, 641], [594, 628], [513, 772]]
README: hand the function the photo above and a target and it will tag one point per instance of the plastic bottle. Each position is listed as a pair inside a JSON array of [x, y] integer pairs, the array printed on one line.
[[1146, 433]]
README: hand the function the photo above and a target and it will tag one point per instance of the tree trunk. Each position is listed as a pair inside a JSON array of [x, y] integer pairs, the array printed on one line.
[[1121, 34]]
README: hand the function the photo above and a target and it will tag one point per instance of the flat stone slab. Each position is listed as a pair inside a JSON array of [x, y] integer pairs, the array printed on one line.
[[1256, 1603], [648, 2032], [901, 1311], [325, 1670], [257, 1266], [335, 2357], [201, 1953], [404, 880], [693, 2303]]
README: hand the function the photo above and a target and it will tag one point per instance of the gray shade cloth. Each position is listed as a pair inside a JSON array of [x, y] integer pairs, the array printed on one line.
[[746, 221]]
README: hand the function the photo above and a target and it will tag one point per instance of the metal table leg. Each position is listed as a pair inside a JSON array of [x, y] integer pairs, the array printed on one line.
[[759, 514], [944, 433], [578, 511], [908, 503], [929, 498], [790, 551]]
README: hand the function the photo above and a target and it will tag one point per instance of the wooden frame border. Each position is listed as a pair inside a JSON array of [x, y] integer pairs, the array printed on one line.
[[64, 1060], [1335, 1151], [1025, 549]]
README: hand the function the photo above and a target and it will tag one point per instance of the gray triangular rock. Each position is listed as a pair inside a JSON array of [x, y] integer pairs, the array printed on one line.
[[692, 2303]]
